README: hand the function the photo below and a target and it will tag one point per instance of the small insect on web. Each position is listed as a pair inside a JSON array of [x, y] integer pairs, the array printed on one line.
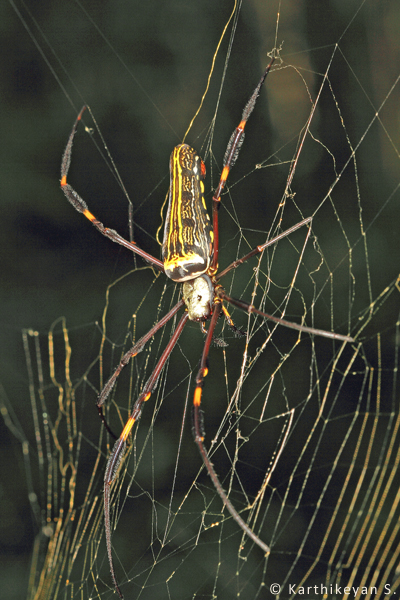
[[189, 256]]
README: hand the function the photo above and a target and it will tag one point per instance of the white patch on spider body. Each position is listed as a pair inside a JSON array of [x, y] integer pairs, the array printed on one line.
[[198, 295]]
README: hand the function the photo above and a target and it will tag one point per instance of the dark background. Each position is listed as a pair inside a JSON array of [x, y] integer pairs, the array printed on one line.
[[54, 263]]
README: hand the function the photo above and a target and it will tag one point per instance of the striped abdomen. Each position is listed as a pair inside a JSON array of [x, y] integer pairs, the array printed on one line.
[[188, 236]]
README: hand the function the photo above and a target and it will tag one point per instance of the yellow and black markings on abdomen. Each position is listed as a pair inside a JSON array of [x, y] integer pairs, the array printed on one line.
[[188, 236]]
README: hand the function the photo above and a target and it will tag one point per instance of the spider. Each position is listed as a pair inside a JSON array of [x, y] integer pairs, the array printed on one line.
[[189, 256]]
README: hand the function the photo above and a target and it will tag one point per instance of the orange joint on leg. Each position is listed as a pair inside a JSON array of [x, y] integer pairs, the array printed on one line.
[[89, 215], [126, 430], [147, 396], [63, 180], [242, 125], [197, 396], [224, 174], [227, 316]]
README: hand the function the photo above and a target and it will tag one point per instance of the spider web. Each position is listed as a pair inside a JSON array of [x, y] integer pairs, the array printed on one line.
[[303, 432]]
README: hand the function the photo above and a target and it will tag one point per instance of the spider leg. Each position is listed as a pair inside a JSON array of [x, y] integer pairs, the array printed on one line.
[[136, 348], [250, 308], [237, 332], [116, 455], [80, 205], [259, 249], [198, 432], [231, 154]]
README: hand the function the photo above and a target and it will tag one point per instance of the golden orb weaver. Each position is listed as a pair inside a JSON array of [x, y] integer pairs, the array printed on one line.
[[190, 256]]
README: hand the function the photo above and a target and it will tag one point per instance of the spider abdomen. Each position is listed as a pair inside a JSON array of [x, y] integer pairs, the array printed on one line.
[[188, 235]]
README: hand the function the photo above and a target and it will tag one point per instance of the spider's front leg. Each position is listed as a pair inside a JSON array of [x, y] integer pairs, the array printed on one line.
[[198, 431], [134, 351], [117, 454]]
